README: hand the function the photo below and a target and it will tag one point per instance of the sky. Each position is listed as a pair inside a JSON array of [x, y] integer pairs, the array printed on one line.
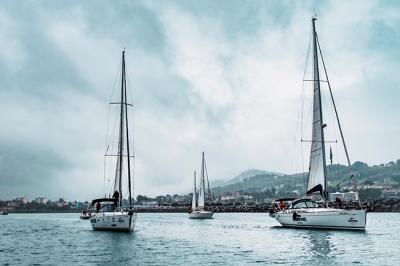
[[224, 77]]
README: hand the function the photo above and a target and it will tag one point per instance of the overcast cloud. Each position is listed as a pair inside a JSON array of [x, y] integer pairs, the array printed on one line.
[[219, 76]]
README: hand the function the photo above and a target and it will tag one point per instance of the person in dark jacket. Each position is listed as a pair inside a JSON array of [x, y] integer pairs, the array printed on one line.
[[339, 202], [116, 198], [98, 206]]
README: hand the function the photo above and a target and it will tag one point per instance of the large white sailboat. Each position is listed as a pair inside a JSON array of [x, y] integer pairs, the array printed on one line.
[[307, 212], [110, 212], [197, 210]]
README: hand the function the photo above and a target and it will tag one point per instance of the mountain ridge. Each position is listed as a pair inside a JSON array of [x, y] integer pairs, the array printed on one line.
[[339, 177]]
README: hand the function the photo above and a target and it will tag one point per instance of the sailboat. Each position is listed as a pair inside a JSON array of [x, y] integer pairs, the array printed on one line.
[[197, 210], [110, 214], [308, 212]]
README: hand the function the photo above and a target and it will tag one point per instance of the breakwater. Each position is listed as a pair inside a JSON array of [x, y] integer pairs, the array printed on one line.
[[380, 205]]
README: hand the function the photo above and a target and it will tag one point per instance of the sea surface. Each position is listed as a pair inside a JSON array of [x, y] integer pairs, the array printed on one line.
[[173, 239]]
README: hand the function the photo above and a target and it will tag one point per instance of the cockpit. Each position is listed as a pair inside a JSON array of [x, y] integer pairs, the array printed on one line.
[[303, 203]]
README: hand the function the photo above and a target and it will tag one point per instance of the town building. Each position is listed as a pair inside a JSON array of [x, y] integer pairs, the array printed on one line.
[[344, 196], [41, 200]]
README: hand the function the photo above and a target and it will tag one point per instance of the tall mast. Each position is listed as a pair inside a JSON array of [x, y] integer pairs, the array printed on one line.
[[201, 197], [208, 182], [121, 132], [317, 172], [317, 87], [202, 175], [125, 104], [194, 193]]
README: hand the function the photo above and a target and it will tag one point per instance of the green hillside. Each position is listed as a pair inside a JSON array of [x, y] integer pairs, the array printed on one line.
[[367, 177]]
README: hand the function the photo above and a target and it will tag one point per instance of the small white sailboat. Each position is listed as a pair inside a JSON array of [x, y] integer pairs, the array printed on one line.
[[197, 210], [307, 212], [110, 214]]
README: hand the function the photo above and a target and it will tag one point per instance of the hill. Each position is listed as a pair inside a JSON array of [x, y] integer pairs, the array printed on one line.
[[244, 175], [370, 177]]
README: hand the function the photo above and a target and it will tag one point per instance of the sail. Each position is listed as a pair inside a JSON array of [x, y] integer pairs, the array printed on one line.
[[119, 166], [317, 168], [202, 185], [194, 193]]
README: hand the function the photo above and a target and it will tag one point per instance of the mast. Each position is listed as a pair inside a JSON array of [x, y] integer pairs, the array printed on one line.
[[202, 176], [208, 182], [202, 184], [125, 104], [317, 170], [194, 193], [317, 84], [118, 174]]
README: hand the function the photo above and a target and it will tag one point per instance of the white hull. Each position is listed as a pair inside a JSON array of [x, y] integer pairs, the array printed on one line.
[[113, 221], [322, 218], [85, 216], [202, 214]]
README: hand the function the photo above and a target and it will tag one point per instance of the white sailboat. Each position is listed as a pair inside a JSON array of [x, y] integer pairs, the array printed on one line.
[[197, 211], [110, 214], [306, 212]]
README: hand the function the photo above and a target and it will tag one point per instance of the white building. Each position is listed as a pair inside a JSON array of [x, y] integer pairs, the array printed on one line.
[[41, 200], [228, 197], [22, 200], [344, 196]]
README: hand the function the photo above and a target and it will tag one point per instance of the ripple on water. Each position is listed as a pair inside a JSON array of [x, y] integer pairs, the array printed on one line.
[[161, 239]]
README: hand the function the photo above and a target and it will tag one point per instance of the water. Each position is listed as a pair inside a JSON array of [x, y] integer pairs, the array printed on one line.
[[173, 239]]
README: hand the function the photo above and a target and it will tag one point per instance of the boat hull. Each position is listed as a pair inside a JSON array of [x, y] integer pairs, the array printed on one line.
[[113, 221], [322, 218], [201, 215]]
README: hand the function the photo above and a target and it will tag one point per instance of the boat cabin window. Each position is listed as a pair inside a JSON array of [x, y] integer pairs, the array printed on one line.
[[304, 204], [299, 205], [107, 208], [311, 204]]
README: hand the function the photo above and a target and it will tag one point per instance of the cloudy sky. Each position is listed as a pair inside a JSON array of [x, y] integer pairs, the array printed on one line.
[[220, 76]]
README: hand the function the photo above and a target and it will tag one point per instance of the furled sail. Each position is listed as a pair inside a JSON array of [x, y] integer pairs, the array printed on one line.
[[202, 184], [317, 169], [194, 193], [119, 166], [120, 161]]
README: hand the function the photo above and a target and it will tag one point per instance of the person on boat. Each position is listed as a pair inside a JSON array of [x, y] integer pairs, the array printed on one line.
[[282, 205], [116, 198], [339, 202], [98, 206]]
